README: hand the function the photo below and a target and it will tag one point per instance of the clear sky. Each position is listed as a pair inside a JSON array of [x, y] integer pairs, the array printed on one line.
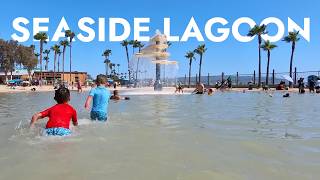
[[229, 56]]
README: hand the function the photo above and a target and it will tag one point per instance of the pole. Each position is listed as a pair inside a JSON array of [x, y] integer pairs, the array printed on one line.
[[237, 80], [222, 76], [185, 79], [254, 77], [295, 75], [196, 78], [273, 77], [208, 79]]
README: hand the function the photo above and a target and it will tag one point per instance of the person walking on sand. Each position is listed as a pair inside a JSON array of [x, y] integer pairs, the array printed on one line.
[[99, 96], [79, 87]]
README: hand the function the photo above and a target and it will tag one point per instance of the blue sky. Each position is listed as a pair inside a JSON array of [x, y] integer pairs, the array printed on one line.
[[229, 56]]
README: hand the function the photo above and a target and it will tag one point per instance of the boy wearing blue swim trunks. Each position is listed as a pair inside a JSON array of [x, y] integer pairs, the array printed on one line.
[[100, 99]]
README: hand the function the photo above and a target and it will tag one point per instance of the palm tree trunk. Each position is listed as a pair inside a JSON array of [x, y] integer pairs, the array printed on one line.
[[58, 62], [46, 68], [107, 68], [63, 52], [41, 49], [6, 75], [54, 68], [189, 73], [267, 77], [259, 76], [129, 72], [70, 59], [200, 64], [137, 65], [291, 61]]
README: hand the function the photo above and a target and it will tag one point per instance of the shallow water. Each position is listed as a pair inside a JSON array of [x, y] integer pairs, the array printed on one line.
[[224, 136]]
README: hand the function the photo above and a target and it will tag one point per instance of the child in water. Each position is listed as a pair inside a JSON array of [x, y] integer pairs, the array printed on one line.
[[59, 115], [117, 97], [99, 96]]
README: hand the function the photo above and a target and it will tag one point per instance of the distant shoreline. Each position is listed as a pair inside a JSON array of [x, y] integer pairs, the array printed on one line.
[[46, 88]]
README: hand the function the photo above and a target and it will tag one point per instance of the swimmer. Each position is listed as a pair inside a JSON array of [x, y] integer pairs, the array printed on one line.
[[210, 92], [59, 115], [117, 97]]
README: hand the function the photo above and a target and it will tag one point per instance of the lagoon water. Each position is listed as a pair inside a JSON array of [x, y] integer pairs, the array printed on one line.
[[225, 136]]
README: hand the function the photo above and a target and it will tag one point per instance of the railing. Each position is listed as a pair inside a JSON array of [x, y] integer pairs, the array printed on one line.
[[243, 79]]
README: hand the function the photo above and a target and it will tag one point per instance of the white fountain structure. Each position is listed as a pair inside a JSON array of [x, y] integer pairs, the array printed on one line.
[[155, 56]]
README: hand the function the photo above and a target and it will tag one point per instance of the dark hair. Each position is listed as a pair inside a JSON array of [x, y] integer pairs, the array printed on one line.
[[101, 79], [62, 95]]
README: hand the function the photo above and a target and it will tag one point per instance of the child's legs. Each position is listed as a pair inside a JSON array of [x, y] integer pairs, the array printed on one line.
[[98, 115]]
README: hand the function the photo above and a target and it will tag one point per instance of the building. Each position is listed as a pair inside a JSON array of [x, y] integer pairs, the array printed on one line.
[[16, 74], [48, 76]]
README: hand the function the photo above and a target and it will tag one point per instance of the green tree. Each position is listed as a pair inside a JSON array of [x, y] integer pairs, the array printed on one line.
[[201, 49], [69, 34], [267, 46], [190, 56], [292, 38], [28, 60], [42, 38], [258, 31]]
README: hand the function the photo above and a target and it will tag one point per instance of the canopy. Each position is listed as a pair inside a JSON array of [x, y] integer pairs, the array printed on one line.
[[288, 78]]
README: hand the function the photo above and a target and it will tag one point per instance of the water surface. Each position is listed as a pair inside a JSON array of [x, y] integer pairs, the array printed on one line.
[[225, 136]]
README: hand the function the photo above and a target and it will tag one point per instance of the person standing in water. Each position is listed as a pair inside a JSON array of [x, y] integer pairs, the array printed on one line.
[[79, 87], [59, 115], [199, 88], [99, 96]]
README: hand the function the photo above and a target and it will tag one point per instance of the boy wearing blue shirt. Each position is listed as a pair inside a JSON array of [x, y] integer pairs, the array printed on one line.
[[100, 99]]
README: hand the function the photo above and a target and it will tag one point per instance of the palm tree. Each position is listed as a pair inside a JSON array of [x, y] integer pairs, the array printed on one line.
[[125, 44], [259, 31], [134, 44], [107, 54], [56, 50], [267, 46], [292, 38], [139, 45], [47, 52], [190, 57], [46, 58], [201, 49], [42, 37], [64, 44], [69, 34]]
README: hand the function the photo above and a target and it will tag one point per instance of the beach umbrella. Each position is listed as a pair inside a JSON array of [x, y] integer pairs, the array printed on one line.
[[288, 78]]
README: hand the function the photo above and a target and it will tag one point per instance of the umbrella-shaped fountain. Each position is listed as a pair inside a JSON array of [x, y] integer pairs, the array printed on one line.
[[152, 64]]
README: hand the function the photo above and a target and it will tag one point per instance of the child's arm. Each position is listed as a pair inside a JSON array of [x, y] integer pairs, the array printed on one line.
[[88, 102], [35, 118], [75, 118]]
